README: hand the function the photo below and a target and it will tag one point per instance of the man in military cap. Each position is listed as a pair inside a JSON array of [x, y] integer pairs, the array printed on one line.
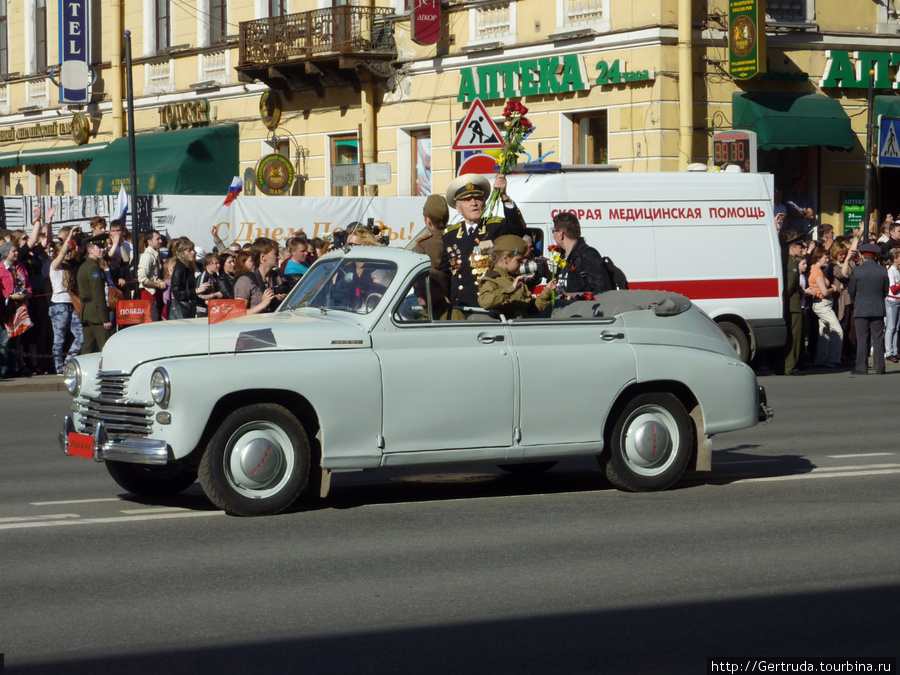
[[92, 291], [868, 287], [793, 248], [466, 255], [436, 216]]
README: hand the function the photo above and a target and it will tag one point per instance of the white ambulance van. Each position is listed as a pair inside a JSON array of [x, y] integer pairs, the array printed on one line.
[[710, 236]]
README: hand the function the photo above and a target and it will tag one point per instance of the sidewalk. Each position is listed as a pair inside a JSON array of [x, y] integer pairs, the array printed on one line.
[[31, 384]]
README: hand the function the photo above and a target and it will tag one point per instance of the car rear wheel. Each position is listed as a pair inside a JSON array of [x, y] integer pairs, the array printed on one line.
[[737, 338], [151, 481], [650, 445], [258, 461]]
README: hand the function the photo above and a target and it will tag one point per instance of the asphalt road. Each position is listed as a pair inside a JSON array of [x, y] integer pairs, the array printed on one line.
[[789, 548]]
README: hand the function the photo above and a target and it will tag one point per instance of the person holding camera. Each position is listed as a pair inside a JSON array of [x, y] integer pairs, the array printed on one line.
[[504, 289], [583, 271], [262, 288]]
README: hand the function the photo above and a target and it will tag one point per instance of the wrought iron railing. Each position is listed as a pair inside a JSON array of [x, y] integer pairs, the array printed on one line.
[[339, 30]]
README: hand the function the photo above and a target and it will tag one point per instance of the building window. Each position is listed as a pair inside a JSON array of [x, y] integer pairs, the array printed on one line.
[[277, 7], [575, 14], [218, 21], [162, 20], [4, 38], [791, 11], [344, 150], [493, 22], [420, 145], [590, 142], [40, 34]]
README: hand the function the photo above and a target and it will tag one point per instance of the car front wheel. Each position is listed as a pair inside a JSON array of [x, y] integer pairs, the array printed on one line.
[[257, 463], [650, 445], [151, 481]]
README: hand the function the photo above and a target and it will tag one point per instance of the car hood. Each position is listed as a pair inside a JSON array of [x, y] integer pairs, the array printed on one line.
[[283, 331]]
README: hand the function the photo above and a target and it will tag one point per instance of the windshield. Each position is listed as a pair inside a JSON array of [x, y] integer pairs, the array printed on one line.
[[350, 285]]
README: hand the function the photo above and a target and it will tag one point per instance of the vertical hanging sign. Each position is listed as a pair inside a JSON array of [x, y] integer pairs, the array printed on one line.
[[426, 21], [746, 38], [75, 51]]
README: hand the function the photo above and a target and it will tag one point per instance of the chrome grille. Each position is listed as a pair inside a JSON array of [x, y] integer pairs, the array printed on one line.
[[123, 418]]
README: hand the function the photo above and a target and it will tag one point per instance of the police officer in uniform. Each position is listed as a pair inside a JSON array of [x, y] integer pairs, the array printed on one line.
[[793, 298], [466, 255], [92, 291]]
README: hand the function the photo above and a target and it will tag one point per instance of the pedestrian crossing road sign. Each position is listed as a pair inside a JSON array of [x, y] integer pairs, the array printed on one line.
[[478, 131], [888, 141]]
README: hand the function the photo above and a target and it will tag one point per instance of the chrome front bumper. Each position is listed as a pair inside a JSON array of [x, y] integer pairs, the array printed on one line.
[[132, 450]]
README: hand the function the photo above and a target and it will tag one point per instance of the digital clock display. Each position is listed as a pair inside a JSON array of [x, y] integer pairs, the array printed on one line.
[[735, 148]]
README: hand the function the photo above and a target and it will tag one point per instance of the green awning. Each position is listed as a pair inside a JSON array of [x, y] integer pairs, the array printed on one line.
[[200, 161], [786, 120], [889, 106], [61, 155], [9, 160]]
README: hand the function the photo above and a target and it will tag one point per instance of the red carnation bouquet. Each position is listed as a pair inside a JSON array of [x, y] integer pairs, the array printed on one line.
[[518, 128]]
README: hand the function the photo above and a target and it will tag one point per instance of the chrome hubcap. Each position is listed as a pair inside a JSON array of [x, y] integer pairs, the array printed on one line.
[[650, 437], [259, 460]]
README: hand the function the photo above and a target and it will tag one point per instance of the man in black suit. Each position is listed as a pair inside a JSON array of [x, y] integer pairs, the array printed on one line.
[[869, 287], [467, 246]]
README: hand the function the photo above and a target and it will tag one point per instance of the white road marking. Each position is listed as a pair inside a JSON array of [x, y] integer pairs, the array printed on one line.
[[166, 509], [861, 467], [806, 476], [865, 454], [114, 519], [31, 519], [78, 501]]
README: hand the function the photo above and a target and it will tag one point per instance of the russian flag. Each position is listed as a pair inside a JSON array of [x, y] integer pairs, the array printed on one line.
[[121, 205], [237, 185]]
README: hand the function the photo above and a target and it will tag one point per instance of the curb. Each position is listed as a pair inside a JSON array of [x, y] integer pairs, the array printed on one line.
[[19, 385]]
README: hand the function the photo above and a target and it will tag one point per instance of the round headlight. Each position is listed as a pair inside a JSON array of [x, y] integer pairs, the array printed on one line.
[[160, 388], [72, 377]]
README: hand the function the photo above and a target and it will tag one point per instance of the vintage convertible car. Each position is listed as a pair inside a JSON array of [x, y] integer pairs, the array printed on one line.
[[352, 372]]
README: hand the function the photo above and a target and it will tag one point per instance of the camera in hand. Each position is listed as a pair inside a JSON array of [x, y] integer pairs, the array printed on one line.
[[535, 269]]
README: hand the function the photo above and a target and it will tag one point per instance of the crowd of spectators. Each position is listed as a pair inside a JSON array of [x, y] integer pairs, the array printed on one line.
[[822, 299], [40, 308]]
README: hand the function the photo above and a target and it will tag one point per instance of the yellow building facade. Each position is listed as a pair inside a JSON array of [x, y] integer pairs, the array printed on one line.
[[604, 82]]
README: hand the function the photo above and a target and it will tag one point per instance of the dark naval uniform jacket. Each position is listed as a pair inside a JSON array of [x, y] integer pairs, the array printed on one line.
[[463, 262]]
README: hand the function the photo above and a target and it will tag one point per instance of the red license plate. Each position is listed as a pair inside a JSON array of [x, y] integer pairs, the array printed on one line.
[[81, 445]]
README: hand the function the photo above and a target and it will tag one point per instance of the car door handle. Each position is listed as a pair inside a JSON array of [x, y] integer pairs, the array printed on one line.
[[486, 339], [609, 336]]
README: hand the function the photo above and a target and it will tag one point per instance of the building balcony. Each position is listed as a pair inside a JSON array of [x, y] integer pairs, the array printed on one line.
[[318, 49]]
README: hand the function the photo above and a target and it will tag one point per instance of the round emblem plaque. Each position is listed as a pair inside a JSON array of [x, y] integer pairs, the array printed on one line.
[[81, 129], [274, 174], [270, 109]]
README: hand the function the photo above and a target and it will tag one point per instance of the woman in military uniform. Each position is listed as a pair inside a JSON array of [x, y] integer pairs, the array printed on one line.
[[504, 289], [95, 318]]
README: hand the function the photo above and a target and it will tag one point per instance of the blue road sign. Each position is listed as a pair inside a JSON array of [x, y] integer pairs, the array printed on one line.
[[888, 141]]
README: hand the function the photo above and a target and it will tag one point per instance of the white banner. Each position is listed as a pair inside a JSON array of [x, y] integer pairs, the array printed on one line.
[[242, 221]]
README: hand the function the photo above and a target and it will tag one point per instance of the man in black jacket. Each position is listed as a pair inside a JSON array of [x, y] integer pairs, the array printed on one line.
[[584, 271], [868, 287]]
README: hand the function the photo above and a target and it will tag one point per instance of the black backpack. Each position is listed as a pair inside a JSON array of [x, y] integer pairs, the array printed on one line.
[[616, 276]]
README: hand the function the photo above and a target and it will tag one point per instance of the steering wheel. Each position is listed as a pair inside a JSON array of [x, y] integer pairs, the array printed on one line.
[[371, 301]]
